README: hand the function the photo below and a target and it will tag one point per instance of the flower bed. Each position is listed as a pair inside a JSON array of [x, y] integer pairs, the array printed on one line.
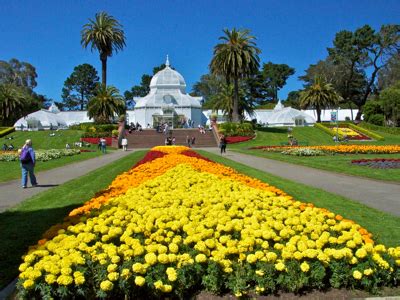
[[95, 140], [41, 155], [378, 163], [303, 152], [238, 139], [345, 149], [178, 224]]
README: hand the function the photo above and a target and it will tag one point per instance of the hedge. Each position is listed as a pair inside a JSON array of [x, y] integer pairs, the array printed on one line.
[[391, 130], [236, 129], [6, 130], [96, 134], [91, 127]]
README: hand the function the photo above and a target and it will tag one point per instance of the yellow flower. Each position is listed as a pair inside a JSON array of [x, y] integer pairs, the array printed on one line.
[[139, 280], [260, 273], [50, 278], [305, 267], [368, 271], [113, 276], [28, 284], [200, 258], [280, 266], [79, 280], [171, 272], [357, 275], [106, 285], [150, 258]]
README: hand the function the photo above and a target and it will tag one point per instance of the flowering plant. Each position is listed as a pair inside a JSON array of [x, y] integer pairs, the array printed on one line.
[[41, 155], [180, 223]]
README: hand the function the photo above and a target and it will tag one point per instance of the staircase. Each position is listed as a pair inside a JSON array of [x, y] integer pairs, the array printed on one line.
[[149, 138]]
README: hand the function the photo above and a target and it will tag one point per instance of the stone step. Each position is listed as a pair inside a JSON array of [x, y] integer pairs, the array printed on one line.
[[149, 138]]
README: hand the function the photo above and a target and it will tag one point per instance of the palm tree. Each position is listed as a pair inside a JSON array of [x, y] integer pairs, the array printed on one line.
[[319, 95], [105, 34], [236, 57], [223, 101], [12, 102], [105, 104]]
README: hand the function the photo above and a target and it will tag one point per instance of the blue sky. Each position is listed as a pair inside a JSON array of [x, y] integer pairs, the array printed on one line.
[[46, 34]]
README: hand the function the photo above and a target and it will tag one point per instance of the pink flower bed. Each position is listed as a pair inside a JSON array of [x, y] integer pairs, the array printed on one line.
[[238, 139], [96, 140]]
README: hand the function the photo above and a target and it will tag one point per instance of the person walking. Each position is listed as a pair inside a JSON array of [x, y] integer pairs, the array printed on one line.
[[28, 161], [188, 141], [103, 144], [124, 144], [222, 144]]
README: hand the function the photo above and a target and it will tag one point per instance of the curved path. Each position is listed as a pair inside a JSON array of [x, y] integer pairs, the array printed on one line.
[[384, 196], [11, 192]]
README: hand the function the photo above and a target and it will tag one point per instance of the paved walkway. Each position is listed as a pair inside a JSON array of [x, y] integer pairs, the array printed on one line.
[[381, 195], [11, 192]]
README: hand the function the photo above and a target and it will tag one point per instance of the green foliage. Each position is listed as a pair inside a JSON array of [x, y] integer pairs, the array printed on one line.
[[391, 130], [236, 57], [390, 98], [319, 95], [105, 35], [12, 103], [18, 73], [105, 104], [371, 108], [96, 134], [376, 119], [79, 86], [236, 129], [275, 76]]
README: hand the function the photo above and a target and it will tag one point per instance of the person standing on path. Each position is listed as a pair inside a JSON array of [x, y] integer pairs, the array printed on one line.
[[222, 144], [103, 144], [28, 161], [124, 144]]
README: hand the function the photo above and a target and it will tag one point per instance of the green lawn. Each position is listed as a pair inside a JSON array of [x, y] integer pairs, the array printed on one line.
[[10, 170], [274, 136], [340, 163], [24, 224], [42, 140]]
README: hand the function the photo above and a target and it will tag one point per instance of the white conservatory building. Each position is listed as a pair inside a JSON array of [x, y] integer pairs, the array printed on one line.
[[167, 102]]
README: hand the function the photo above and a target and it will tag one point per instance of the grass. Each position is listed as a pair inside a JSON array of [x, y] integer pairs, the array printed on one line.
[[337, 163], [10, 170], [386, 231], [24, 224], [42, 140]]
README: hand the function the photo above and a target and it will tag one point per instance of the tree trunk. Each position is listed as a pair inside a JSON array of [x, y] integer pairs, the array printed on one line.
[[318, 109], [81, 101], [235, 113], [103, 58]]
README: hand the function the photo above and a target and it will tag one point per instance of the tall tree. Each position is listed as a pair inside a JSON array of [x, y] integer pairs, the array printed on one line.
[[390, 99], [389, 74], [319, 95], [12, 103], [105, 35], [235, 58], [366, 49], [79, 86], [208, 86], [18, 73], [275, 76], [105, 104], [293, 99]]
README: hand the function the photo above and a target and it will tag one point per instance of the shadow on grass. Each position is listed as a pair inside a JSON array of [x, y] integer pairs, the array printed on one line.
[[273, 130], [19, 230]]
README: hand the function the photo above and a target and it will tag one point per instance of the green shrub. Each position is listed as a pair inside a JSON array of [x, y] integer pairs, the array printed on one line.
[[6, 130], [391, 130], [91, 127], [236, 129], [96, 134], [376, 119]]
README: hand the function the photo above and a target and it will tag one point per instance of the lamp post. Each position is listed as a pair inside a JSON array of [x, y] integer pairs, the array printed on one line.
[[337, 124]]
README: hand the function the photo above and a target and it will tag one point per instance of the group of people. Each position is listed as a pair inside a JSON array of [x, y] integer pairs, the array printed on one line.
[[170, 141], [133, 127], [190, 141], [201, 129], [102, 145], [7, 147]]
